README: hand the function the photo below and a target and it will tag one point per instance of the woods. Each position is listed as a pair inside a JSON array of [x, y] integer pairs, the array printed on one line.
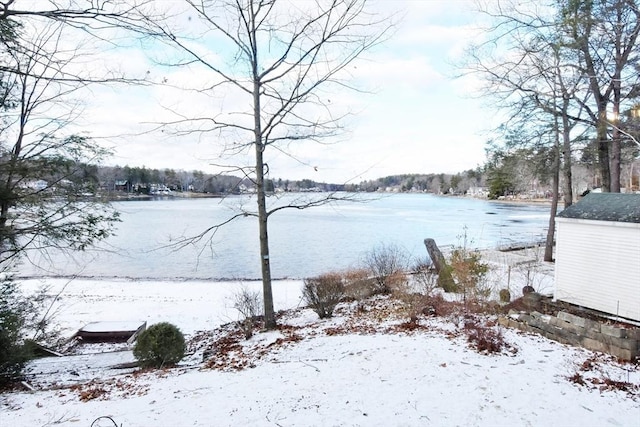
[[564, 75]]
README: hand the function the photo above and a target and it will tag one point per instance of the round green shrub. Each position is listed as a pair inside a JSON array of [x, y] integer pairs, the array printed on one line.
[[160, 345]]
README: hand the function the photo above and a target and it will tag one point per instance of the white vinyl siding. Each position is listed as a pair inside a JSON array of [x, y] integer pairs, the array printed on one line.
[[598, 265]]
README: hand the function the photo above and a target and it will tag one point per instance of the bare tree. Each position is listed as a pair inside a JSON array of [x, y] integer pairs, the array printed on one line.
[[286, 57], [529, 69], [47, 175], [605, 35], [573, 60], [89, 15], [45, 172]]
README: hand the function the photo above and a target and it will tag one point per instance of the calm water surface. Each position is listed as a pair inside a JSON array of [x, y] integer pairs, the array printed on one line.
[[303, 242]]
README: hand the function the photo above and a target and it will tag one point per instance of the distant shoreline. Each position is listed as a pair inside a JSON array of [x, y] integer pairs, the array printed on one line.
[[194, 195], [119, 197], [520, 201]]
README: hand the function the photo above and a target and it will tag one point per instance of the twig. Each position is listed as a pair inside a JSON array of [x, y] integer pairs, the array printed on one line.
[[104, 417], [310, 365]]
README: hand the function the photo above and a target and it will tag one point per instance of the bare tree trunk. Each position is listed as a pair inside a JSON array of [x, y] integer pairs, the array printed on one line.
[[603, 150], [615, 160], [263, 216], [615, 139], [4, 217], [616, 82], [567, 163], [267, 294], [548, 248]]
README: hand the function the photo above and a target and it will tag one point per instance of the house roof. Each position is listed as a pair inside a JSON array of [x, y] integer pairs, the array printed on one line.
[[615, 207]]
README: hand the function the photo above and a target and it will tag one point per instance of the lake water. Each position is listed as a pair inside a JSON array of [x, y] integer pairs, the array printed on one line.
[[303, 242]]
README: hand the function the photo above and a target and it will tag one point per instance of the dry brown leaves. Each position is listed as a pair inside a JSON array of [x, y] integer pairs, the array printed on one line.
[[229, 351], [591, 373], [126, 386]]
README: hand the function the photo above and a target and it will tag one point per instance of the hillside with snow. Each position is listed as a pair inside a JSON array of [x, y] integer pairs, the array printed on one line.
[[369, 365]]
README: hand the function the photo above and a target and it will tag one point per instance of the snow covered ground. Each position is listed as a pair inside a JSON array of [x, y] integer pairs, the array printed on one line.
[[362, 367]]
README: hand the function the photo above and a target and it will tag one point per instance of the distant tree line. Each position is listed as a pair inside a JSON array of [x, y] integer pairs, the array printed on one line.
[[142, 179], [523, 172], [459, 183]]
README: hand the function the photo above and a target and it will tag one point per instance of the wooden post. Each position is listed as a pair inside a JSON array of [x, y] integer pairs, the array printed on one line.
[[445, 280]]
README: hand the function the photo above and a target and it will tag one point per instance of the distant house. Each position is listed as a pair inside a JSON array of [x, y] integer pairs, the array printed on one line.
[[598, 254], [478, 191], [37, 185], [121, 185]]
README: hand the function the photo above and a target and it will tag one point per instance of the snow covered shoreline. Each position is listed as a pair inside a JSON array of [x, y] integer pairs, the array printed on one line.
[[192, 305], [332, 374]]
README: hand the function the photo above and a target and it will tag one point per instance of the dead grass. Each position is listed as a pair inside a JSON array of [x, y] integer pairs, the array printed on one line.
[[592, 374], [381, 314]]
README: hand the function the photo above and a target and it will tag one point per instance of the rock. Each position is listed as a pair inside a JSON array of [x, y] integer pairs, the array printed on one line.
[[527, 290], [532, 300]]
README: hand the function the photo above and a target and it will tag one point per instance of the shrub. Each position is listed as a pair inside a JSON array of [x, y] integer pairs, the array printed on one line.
[[425, 279], [446, 280], [323, 293], [248, 304], [469, 272], [413, 304], [482, 337], [16, 315], [436, 305], [387, 265], [577, 378], [13, 354], [160, 345]]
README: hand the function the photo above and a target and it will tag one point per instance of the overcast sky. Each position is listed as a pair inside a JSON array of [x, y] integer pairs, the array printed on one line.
[[417, 118]]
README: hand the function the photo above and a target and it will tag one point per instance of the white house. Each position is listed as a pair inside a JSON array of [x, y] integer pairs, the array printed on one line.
[[37, 185], [598, 254]]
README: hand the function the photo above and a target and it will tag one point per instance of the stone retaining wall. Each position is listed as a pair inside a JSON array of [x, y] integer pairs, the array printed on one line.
[[621, 342]]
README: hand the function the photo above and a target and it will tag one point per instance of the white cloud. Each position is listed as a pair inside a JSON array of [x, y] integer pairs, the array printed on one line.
[[415, 120]]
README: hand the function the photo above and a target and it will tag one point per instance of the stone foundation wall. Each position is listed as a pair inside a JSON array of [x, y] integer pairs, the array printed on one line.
[[621, 342]]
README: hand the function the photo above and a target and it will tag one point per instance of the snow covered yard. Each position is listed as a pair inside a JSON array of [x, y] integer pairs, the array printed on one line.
[[363, 367]]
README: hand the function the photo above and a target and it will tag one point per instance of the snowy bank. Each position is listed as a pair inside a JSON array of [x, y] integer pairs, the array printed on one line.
[[359, 368]]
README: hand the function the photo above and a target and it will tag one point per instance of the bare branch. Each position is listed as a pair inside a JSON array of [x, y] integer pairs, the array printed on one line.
[[284, 55]]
